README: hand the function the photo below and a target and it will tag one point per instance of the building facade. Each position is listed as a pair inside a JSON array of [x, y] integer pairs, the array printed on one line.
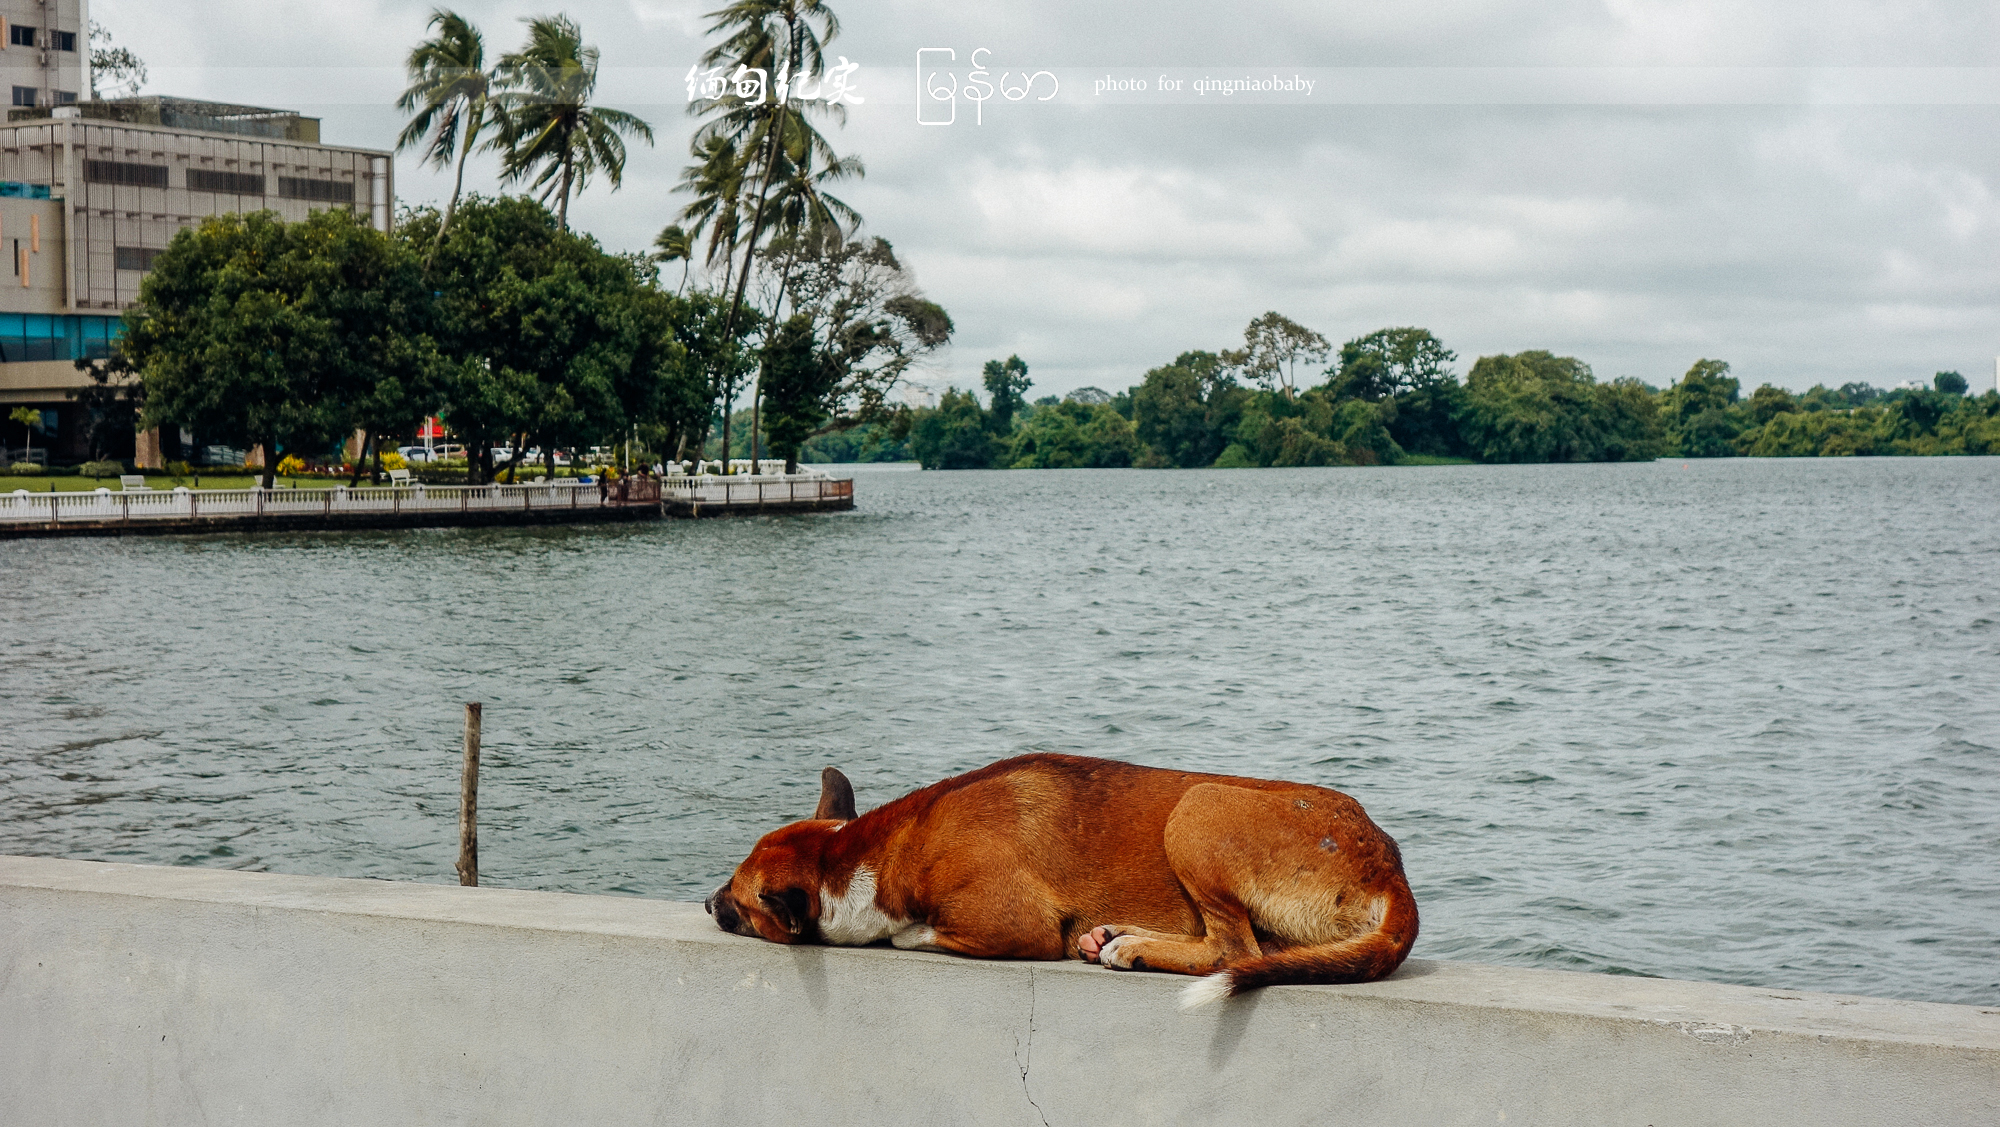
[[92, 191], [45, 51]]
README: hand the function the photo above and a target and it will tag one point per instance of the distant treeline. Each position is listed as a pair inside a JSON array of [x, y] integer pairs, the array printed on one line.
[[1390, 397]]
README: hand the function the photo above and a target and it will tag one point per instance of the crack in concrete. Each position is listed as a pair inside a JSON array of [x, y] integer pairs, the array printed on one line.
[[1025, 1064]]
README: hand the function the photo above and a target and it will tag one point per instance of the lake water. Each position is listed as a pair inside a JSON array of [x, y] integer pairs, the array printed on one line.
[[1733, 720]]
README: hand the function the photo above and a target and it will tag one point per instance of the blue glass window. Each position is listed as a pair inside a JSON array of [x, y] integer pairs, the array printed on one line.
[[37, 336]]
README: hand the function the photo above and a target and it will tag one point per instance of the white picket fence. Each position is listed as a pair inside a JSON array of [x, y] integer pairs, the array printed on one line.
[[22, 506], [765, 489]]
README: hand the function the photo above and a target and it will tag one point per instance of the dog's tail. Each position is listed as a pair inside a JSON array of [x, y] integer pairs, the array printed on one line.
[[1363, 958]]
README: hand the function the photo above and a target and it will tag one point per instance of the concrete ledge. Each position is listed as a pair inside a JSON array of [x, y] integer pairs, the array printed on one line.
[[131, 994]]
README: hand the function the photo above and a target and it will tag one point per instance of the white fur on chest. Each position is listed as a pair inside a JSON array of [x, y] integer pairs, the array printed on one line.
[[852, 918]]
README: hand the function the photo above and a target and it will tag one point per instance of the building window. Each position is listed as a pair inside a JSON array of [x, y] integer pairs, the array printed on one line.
[[133, 258], [324, 191], [21, 36], [65, 97], [63, 40], [237, 183], [24, 95], [119, 172], [28, 336], [96, 335]]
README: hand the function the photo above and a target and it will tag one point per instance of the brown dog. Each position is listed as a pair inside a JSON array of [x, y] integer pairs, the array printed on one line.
[[1250, 882]]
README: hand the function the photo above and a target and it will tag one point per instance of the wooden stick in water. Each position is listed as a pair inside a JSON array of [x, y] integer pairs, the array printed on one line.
[[468, 802]]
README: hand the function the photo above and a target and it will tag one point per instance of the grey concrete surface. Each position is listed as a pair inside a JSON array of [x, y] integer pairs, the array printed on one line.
[[141, 995]]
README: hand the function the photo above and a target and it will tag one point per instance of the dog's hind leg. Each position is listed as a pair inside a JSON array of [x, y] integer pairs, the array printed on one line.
[[1207, 869], [1274, 860], [1133, 948]]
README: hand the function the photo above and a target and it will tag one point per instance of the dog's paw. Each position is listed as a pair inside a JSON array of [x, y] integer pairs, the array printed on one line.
[[1090, 944], [1121, 953]]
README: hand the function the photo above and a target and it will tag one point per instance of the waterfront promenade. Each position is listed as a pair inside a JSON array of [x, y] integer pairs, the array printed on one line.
[[107, 512]]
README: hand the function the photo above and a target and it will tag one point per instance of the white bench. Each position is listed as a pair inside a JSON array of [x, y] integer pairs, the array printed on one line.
[[133, 483], [399, 477]]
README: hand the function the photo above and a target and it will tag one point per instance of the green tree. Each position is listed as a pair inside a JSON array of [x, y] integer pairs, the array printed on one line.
[[1951, 383], [1273, 348], [1388, 362], [720, 365], [1183, 411], [30, 419], [449, 98], [1007, 386], [1698, 415], [796, 385], [384, 311], [1920, 411], [551, 131], [715, 183], [954, 436], [1768, 402], [1412, 367], [1859, 394], [269, 333], [1808, 434], [869, 442], [115, 72], [1539, 407], [781, 42], [1070, 434], [1316, 429], [870, 321], [554, 341], [1629, 419], [111, 401], [675, 244]]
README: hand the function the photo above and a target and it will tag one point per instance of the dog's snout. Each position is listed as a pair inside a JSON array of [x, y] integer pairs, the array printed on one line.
[[722, 908]]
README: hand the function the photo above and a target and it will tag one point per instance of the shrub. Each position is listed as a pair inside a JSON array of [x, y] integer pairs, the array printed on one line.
[[1235, 457], [394, 461], [25, 469], [101, 469], [291, 465]]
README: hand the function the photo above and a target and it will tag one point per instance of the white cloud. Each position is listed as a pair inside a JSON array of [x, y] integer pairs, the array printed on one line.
[[1801, 243]]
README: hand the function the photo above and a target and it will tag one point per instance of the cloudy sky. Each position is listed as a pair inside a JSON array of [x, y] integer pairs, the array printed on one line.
[[1805, 190]]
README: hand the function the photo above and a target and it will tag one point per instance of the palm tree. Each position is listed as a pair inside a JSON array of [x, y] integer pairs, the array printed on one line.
[[778, 36], [551, 125], [31, 421], [716, 183], [674, 244], [451, 97], [781, 37], [800, 201]]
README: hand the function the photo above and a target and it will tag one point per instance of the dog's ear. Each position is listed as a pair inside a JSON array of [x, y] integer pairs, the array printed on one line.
[[836, 796], [792, 908]]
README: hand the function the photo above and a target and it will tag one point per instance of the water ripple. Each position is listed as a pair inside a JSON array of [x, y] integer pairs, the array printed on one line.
[[1736, 721]]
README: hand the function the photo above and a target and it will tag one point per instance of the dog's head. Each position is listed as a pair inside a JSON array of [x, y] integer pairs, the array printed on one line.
[[774, 894]]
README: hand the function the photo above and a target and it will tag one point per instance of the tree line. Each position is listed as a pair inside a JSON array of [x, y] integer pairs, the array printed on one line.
[[518, 331], [1391, 397]]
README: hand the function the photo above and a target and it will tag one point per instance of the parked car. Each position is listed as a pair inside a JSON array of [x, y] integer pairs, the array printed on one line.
[[414, 453]]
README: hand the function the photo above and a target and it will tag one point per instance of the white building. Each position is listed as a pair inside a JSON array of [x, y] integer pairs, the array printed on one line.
[[91, 192]]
